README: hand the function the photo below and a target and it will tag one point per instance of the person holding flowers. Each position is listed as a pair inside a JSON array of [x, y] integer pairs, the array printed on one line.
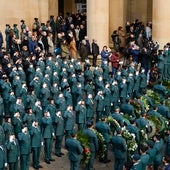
[[75, 150], [93, 142], [103, 128], [119, 150]]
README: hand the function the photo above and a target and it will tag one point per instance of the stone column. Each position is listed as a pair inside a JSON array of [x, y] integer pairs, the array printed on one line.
[[98, 21], [53, 7], [160, 20], [118, 15]]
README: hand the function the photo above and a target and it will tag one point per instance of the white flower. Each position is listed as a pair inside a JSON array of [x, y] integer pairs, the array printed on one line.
[[142, 131], [133, 135]]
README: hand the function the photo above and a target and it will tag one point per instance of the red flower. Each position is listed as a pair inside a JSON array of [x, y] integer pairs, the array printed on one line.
[[86, 150]]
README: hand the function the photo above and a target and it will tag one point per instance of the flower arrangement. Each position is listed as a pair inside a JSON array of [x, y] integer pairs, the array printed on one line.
[[136, 106], [130, 140], [145, 103], [167, 103], [153, 129], [154, 96], [166, 83], [86, 148], [101, 143], [113, 123], [156, 121], [143, 135]]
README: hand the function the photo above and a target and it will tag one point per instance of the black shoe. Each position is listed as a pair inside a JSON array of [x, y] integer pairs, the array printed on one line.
[[61, 153], [57, 154], [47, 161], [52, 159], [35, 167], [106, 161], [40, 166], [101, 160]]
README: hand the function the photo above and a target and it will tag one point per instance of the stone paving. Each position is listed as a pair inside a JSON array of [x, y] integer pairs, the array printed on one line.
[[62, 163]]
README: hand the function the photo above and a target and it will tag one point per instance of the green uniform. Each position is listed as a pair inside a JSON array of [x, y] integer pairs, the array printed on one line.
[[120, 151], [75, 150], [25, 149], [93, 142], [36, 139]]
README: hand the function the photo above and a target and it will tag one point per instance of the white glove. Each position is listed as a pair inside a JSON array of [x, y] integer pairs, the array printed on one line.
[[53, 134], [42, 143], [6, 165]]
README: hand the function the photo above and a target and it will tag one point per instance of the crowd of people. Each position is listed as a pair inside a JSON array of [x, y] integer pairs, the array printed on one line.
[[50, 90]]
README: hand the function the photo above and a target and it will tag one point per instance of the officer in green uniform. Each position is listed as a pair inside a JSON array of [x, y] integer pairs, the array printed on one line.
[[143, 82], [93, 142], [25, 148], [127, 108], [3, 160], [151, 152], [36, 142], [59, 133], [12, 103], [31, 99], [136, 86], [105, 68], [55, 78], [69, 122], [99, 84], [136, 162], [99, 98], [114, 93], [158, 146], [130, 84], [54, 91], [13, 152], [6, 88], [119, 150], [21, 74], [118, 116], [123, 90], [29, 118], [90, 107], [47, 133], [7, 34], [160, 64], [88, 88], [61, 103], [132, 128], [167, 146], [142, 122], [16, 31], [8, 127], [2, 113], [36, 85], [24, 93], [20, 107], [68, 96], [144, 156], [17, 123], [38, 111], [44, 95], [103, 128], [81, 113], [51, 108], [75, 150], [107, 99]]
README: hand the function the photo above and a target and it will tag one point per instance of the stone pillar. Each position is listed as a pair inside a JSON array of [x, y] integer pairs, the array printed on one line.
[[53, 8], [160, 20], [118, 16], [98, 21], [69, 6]]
